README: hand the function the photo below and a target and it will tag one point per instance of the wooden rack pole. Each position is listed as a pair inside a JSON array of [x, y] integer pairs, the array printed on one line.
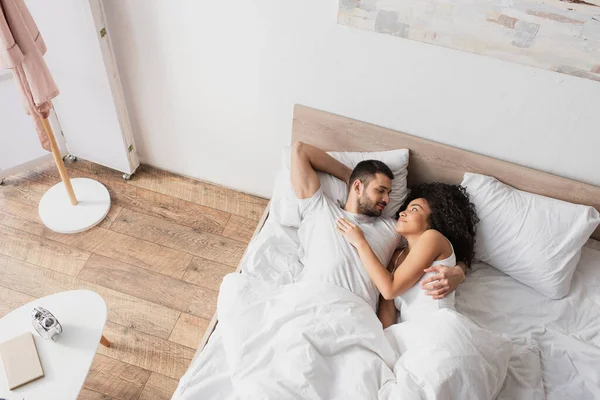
[[59, 162]]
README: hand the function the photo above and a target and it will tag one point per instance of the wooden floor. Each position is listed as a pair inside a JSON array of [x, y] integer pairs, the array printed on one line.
[[157, 260]]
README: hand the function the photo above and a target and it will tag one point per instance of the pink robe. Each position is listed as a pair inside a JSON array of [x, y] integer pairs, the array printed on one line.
[[21, 49]]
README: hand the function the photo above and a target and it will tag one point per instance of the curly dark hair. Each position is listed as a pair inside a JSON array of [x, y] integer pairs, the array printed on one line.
[[452, 214]]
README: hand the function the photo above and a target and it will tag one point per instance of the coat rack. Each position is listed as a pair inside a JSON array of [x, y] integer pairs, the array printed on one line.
[[59, 162], [73, 205]]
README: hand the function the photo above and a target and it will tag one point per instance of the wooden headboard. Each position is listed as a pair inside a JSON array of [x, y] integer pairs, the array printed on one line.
[[431, 161]]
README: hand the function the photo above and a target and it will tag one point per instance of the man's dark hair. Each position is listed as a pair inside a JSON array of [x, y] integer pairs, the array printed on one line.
[[365, 171]]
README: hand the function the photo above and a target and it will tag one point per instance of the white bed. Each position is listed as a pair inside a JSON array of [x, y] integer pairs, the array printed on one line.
[[562, 335], [566, 331], [556, 343]]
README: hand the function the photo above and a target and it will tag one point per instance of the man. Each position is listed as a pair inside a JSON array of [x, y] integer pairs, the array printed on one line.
[[327, 256]]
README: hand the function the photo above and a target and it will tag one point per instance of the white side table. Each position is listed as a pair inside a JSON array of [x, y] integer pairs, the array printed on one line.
[[66, 362]]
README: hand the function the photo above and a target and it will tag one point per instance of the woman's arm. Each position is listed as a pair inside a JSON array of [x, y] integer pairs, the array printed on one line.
[[427, 249], [424, 253]]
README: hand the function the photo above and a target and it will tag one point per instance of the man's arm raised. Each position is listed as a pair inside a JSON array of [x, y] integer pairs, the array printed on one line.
[[306, 161]]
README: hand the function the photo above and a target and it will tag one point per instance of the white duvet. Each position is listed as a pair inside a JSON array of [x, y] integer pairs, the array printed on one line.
[[318, 341], [556, 345]]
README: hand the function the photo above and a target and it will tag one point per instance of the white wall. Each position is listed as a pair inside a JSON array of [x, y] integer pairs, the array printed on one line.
[[211, 88], [18, 138]]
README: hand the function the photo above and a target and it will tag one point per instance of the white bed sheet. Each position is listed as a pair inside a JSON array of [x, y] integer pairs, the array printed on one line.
[[566, 331], [563, 335]]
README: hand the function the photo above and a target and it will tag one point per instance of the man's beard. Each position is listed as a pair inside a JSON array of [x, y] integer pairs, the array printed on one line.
[[368, 207]]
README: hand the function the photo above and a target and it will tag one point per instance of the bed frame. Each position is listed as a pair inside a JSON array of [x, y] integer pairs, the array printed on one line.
[[429, 162]]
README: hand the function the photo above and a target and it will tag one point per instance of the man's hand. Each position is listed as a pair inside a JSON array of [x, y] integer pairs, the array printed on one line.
[[444, 282]]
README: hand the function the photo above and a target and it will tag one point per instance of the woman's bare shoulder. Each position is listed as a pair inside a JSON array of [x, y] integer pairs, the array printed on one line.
[[432, 237]]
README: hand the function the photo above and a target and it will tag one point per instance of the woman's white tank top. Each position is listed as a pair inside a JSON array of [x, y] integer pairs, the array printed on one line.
[[415, 304]]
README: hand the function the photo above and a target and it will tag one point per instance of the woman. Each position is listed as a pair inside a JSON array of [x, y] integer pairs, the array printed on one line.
[[438, 223]]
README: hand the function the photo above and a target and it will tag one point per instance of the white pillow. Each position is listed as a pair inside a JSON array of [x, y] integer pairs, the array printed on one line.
[[284, 205], [536, 240]]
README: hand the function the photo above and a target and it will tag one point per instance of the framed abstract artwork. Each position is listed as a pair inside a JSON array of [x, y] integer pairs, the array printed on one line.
[[562, 36]]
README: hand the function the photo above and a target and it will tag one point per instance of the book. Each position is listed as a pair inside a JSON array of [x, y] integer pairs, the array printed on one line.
[[21, 360]]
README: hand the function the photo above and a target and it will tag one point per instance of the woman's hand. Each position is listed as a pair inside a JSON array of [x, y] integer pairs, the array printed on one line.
[[352, 233]]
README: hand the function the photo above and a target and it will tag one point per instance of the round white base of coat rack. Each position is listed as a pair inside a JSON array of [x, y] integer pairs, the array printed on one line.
[[59, 215]]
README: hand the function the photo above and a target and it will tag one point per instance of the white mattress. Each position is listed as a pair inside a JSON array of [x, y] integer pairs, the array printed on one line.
[[561, 335]]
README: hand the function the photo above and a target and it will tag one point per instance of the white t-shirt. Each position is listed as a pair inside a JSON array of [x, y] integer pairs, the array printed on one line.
[[328, 257]]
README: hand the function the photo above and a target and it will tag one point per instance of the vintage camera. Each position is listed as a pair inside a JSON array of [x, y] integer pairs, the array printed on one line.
[[45, 323]]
